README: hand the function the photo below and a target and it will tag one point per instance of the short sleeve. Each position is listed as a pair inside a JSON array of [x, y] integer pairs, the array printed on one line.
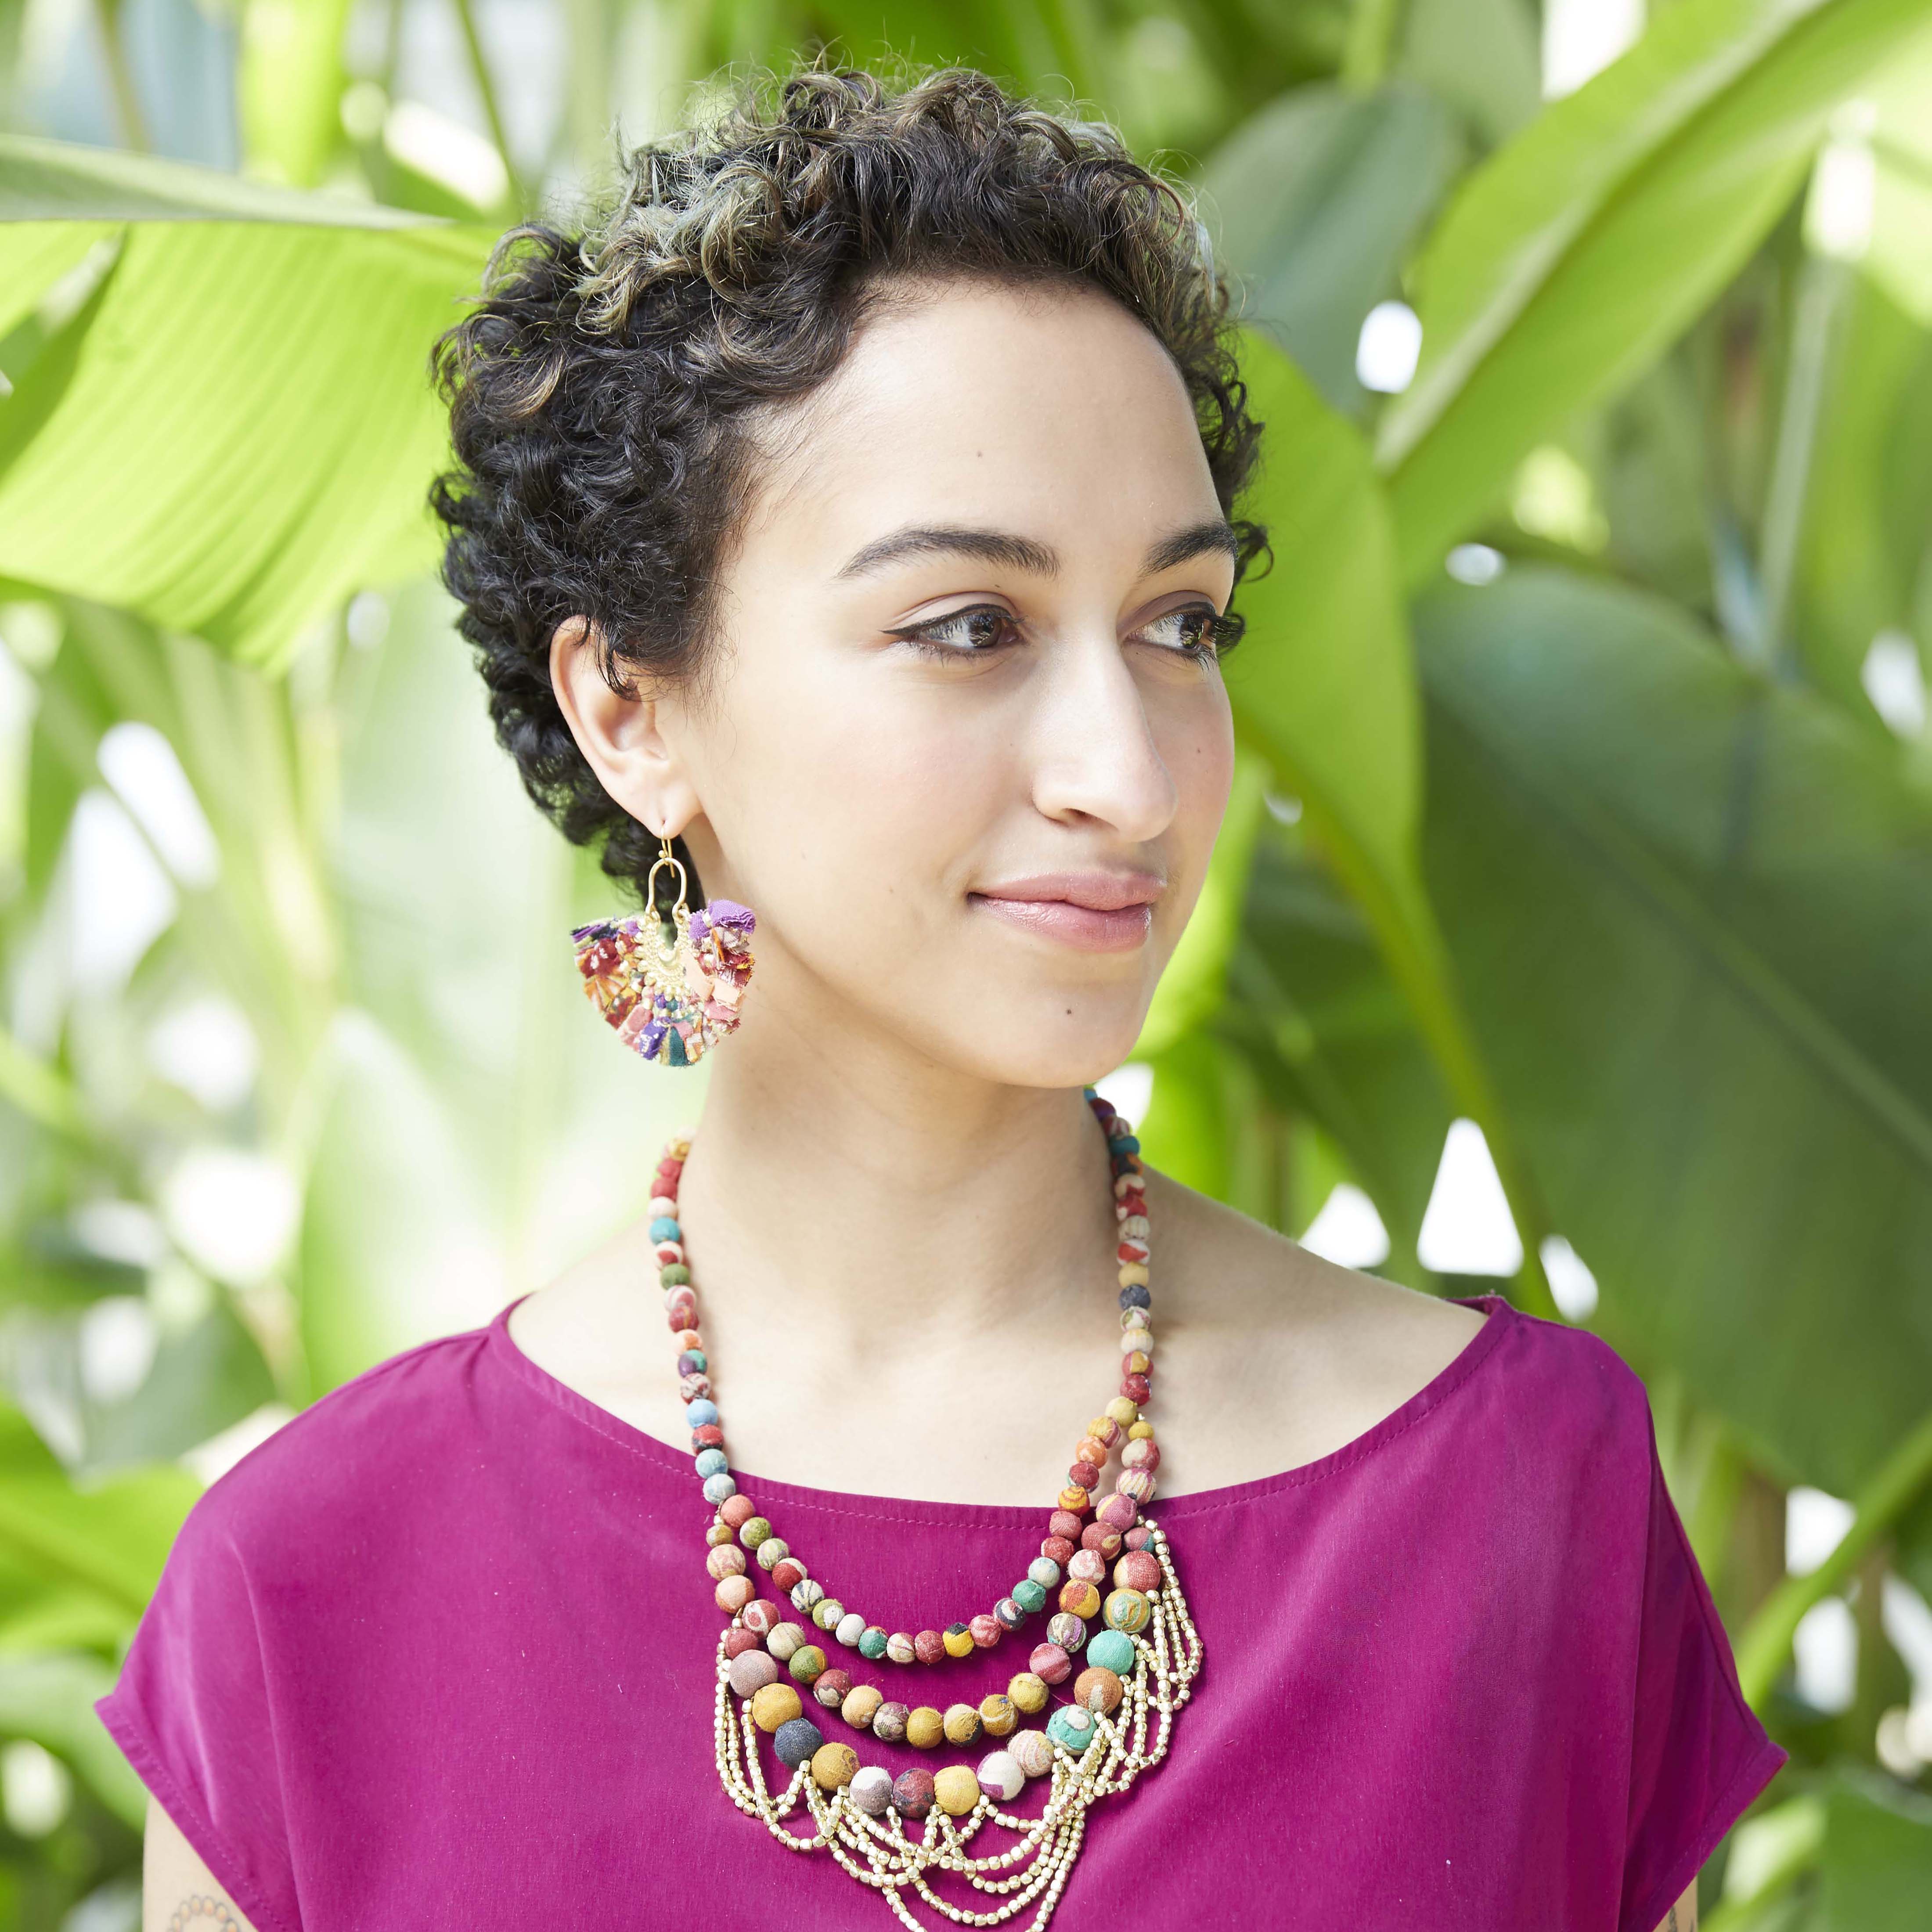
[[192, 1712], [1698, 1755]]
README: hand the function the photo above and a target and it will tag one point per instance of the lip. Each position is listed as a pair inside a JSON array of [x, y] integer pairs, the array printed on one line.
[[1093, 912]]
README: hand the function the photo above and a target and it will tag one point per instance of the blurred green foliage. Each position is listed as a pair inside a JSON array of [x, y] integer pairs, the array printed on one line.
[[1586, 793]]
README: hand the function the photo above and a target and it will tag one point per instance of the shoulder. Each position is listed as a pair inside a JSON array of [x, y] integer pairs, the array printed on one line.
[[1316, 1354], [343, 1464]]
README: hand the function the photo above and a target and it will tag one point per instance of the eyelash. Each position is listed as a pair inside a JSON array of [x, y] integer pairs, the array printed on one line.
[[1218, 636]]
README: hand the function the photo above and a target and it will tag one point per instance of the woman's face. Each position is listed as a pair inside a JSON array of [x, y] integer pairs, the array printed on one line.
[[965, 749]]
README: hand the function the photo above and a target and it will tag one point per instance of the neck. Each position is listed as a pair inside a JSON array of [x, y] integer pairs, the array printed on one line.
[[891, 1201]]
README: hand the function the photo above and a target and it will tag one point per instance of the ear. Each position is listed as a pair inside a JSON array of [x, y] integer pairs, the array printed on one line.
[[619, 736]]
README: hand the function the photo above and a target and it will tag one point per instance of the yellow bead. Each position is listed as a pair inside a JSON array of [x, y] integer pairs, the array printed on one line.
[[719, 1533], [956, 1790], [1141, 1432], [1124, 1411], [1133, 1274], [1074, 1499], [776, 1704], [834, 1766], [1135, 1364], [1029, 1693], [962, 1724], [861, 1706], [957, 1639], [924, 1727], [999, 1714]]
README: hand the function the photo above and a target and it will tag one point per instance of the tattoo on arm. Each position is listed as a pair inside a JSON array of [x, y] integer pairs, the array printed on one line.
[[195, 1910], [1670, 1924]]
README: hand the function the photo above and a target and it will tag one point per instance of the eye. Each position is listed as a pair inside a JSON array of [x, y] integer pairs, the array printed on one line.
[[976, 631], [1193, 630]]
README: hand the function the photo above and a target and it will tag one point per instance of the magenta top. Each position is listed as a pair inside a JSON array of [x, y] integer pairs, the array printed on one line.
[[440, 1652]]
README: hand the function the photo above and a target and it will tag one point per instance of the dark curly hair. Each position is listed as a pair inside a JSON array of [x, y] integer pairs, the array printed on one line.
[[604, 392]]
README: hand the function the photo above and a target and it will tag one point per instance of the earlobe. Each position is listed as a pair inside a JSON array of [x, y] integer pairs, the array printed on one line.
[[618, 732]]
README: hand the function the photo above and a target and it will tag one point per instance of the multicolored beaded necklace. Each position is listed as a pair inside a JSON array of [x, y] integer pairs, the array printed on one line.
[[1117, 1721]]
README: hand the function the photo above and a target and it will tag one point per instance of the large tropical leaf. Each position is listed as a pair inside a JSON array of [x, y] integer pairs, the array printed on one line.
[[1693, 912], [1583, 248], [237, 428]]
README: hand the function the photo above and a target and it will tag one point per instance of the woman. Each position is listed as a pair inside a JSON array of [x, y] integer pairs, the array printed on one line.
[[857, 510]]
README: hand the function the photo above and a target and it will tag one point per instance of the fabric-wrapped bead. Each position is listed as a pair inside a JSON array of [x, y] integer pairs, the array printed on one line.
[[733, 1593], [727, 1560], [1105, 1428], [1074, 1500], [738, 1640], [664, 1228], [1083, 1476], [1135, 1386], [1137, 1338], [784, 1641], [719, 1488], [1030, 1595], [830, 1687], [1097, 1688], [1071, 1728], [715, 1533], [984, 1630], [1001, 1777], [1138, 1570], [687, 1338], [1064, 1522], [1069, 1629], [1123, 1412], [1050, 1663], [956, 1790], [1143, 1453], [772, 1551], [997, 1715], [1125, 1610], [788, 1574], [901, 1647], [871, 1790], [861, 1706], [1140, 1484], [926, 1727], [1111, 1650], [1056, 1549], [929, 1646], [1103, 1539], [1028, 1692], [797, 1742], [1085, 1566], [806, 1591], [1010, 1614], [807, 1663], [760, 1617], [702, 1411], [834, 1766], [849, 1628], [957, 1640], [1077, 1600], [751, 1672], [872, 1642], [1118, 1511], [1139, 1537], [912, 1792], [707, 1435], [1133, 1274], [828, 1613], [774, 1705], [1045, 1572], [889, 1722], [736, 1511], [1032, 1752], [962, 1723], [709, 1461]]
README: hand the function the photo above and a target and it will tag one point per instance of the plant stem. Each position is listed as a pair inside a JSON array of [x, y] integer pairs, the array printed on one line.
[[1764, 1646], [1371, 41], [479, 69], [120, 76]]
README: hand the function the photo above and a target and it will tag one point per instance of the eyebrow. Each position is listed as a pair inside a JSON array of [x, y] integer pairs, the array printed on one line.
[[1014, 552]]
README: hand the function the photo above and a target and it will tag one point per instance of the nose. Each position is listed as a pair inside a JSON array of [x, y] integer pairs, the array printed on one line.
[[1096, 759]]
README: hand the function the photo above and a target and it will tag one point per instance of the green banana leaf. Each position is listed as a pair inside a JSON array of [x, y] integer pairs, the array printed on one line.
[[1580, 251], [1693, 913]]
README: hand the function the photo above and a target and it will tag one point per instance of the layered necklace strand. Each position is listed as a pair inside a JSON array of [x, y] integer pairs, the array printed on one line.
[[1111, 1720]]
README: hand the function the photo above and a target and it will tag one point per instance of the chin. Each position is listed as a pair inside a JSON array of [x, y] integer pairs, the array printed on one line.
[[1037, 1043]]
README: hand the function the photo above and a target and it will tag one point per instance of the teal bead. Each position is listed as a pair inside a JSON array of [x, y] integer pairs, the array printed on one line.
[[1029, 1595], [664, 1228], [712, 1463], [1112, 1650], [872, 1642], [1126, 1143], [1071, 1728]]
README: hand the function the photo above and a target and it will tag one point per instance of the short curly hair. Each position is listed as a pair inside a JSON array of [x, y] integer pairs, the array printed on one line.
[[604, 390]]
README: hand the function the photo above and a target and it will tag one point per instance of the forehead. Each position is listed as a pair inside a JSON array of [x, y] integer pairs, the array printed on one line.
[[1042, 406]]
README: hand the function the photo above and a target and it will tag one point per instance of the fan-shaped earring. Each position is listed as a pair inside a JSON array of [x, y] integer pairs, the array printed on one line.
[[672, 996]]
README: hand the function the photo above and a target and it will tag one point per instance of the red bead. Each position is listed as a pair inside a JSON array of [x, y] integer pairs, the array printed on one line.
[[1138, 1570], [1118, 1512], [830, 1686], [1059, 1548], [707, 1435], [1132, 1251], [1136, 1388], [737, 1642], [1050, 1663], [670, 1169], [986, 1629], [929, 1646], [737, 1511], [787, 1576], [1083, 1476], [1139, 1537], [1103, 1537], [1064, 1522]]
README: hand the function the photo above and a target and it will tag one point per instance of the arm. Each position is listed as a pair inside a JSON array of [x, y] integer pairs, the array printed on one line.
[[178, 1893], [1683, 1917]]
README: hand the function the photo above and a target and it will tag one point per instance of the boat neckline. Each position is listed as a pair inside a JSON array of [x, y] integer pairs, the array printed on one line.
[[1500, 1314]]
